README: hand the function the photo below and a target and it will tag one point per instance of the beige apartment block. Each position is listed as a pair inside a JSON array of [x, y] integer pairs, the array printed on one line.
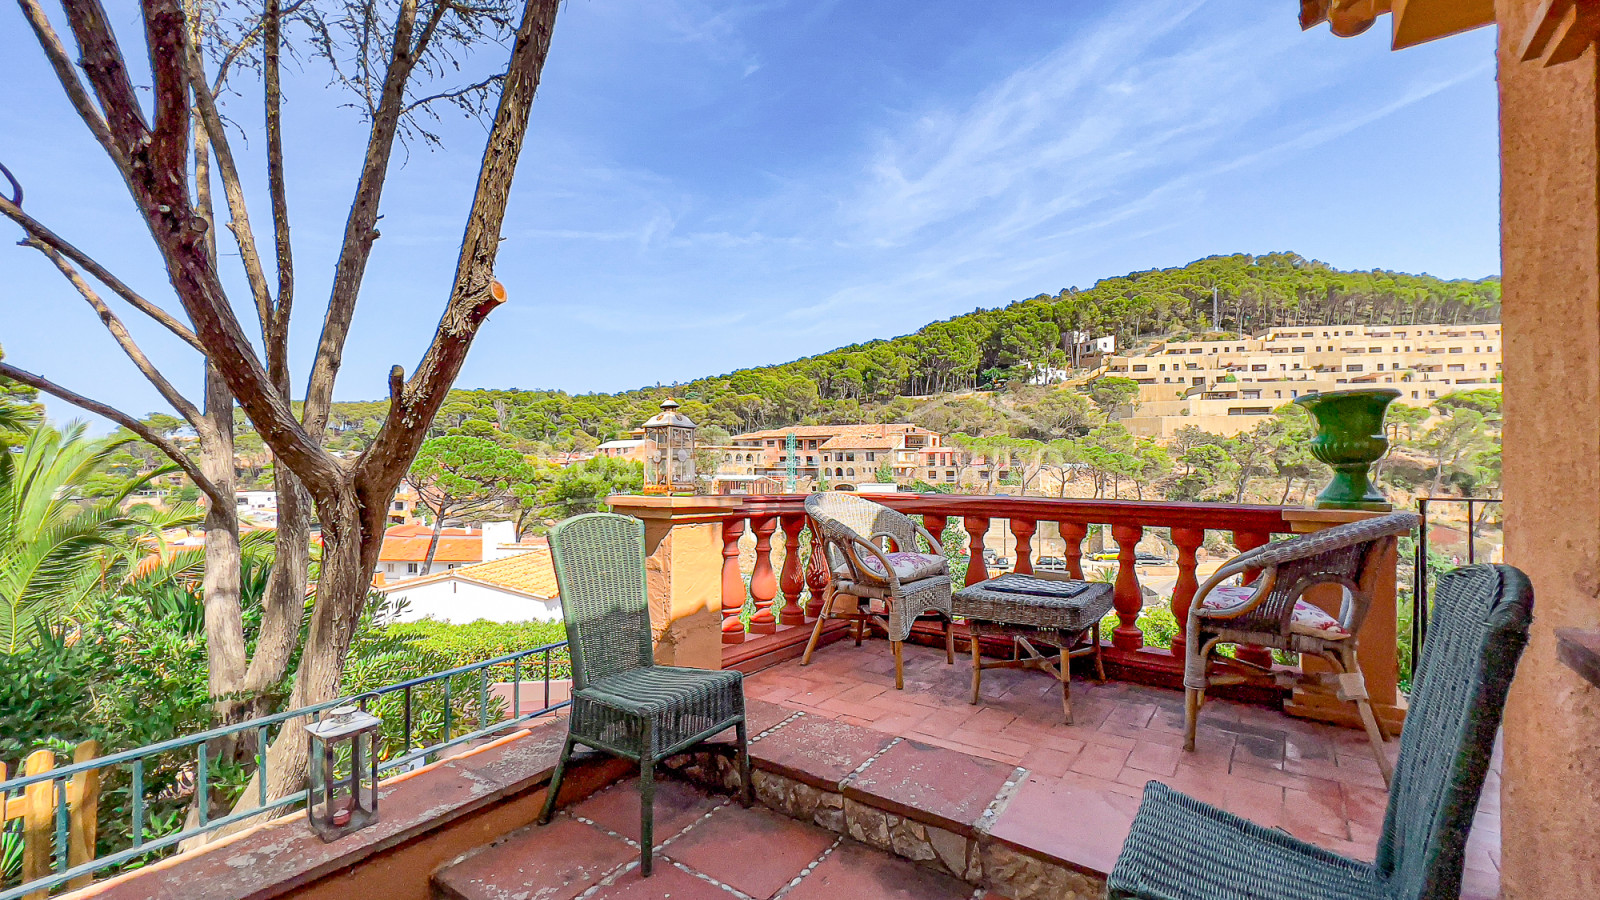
[[1226, 387]]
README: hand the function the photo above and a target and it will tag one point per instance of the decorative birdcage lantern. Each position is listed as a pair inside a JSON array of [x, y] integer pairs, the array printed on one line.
[[346, 740], [670, 467]]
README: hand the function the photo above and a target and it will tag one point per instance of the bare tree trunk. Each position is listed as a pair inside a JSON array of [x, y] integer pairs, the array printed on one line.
[[433, 540], [225, 647]]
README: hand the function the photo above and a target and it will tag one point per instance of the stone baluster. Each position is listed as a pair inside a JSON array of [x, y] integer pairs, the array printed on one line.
[[977, 527], [1188, 541], [1022, 530], [793, 581], [763, 583], [1246, 541], [817, 575], [1127, 596], [1072, 534], [733, 592]]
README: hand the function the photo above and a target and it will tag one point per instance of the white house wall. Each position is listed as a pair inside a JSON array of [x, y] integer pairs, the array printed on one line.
[[455, 601]]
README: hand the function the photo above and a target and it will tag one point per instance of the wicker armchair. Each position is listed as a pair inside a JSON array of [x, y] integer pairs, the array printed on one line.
[[622, 702], [1270, 612], [1182, 849], [872, 555]]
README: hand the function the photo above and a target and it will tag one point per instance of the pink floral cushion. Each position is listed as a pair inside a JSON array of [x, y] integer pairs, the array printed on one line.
[[1308, 619], [907, 566]]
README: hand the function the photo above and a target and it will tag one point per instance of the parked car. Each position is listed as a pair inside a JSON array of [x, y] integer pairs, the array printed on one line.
[[1142, 558], [1104, 556], [1050, 564]]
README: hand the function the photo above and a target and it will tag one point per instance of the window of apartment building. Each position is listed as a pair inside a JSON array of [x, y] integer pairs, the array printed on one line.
[[1374, 349], [1192, 366], [772, 443], [1249, 395], [827, 457], [1380, 367], [850, 457], [411, 568], [1432, 394], [872, 456], [950, 475], [399, 504], [1355, 367], [1141, 368], [811, 460], [932, 474], [1194, 349], [1319, 348], [1456, 367], [1258, 368], [1483, 366], [1458, 350], [1162, 367], [1198, 379], [1358, 350], [850, 473], [1299, 349], [1349, 333], [1278, 394], [1308, 334]]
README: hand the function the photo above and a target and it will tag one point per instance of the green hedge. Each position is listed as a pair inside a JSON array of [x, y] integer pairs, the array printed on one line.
[[477, 641]]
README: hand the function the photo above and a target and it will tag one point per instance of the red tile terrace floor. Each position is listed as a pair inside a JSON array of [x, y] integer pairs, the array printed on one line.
[[708, 848], [1083, 781]]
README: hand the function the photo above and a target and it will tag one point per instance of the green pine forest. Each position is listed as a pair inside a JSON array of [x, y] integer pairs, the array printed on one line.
[[902, 378]]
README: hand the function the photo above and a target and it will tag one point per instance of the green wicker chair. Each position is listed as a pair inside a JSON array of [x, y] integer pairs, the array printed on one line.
[[1182, 849], [622, 702]]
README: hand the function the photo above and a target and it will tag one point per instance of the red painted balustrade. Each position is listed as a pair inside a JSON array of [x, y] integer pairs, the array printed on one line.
[[801, 579]]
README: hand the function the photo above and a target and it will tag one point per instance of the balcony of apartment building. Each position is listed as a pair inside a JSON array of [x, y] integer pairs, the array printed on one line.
[[1004, 795], [939, 793]]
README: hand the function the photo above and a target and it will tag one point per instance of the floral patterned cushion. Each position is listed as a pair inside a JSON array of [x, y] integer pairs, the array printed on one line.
[[907, 566], [1308, 619]]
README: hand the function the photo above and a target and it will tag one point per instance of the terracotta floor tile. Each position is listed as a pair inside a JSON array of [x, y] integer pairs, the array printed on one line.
[[759, 715], [678, 805], [1365, 805], [1073, 821], [666, 880], [755, 850], [1259, 751], [931, 784], [1317, 812], [1259, 802], [1049, 760], [1100, 761], [553, 862], [1157, 759], [818, 751], [860, 873]]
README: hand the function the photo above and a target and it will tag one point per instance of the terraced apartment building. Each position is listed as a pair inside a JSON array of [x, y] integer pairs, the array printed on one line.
[[1227, 386]]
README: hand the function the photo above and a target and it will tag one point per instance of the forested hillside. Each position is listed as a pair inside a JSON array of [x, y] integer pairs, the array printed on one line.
[[891, 380]]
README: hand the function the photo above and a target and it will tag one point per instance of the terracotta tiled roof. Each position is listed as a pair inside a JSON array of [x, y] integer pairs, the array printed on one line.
[[829, 431], [529, 572], [453, 548], [860, 442]]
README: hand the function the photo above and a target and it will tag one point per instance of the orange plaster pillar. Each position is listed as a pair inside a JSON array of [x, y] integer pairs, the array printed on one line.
[[1550, 260]]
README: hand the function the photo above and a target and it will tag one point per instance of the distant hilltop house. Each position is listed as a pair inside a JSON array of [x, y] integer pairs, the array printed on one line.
[[843, 454], [1227, 386], [405, 549], [520, 587], [636, 449]]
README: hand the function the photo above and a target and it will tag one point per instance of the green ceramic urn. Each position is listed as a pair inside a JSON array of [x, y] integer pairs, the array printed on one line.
[[1350, 438]]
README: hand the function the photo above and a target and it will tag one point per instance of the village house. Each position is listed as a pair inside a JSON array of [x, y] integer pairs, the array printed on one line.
[[520, 587]]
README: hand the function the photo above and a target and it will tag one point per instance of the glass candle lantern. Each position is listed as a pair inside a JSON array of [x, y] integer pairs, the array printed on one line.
[[346, 740], [670, 467]]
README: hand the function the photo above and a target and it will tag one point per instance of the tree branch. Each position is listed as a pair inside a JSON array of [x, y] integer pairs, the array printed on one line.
[[61, 62], [361, 228], [458, 92], [150, 436], [37, 232], [232, 187], [125, 340], [475, 292], [276, 337]]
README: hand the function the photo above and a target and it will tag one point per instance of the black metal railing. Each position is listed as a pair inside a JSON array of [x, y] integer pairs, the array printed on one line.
[[1420, 601], [408, 756]]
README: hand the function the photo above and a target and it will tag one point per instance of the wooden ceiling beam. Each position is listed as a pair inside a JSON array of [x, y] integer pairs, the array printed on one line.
[[1562, 31]]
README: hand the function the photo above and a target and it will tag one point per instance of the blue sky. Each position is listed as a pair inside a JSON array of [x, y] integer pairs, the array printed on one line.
[[713, 184]]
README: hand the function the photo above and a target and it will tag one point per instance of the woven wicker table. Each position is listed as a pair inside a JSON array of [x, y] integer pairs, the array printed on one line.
[[1044, 608]]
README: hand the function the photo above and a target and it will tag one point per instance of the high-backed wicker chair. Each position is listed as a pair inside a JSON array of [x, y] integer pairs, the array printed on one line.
[[622, 702], [1182, 849], [872, 555], [1270, 612]]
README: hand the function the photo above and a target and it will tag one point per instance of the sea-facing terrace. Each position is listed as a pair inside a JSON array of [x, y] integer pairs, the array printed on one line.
[[860, 786]]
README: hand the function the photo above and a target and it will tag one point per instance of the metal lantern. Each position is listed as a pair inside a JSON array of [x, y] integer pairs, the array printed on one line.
[[670, 468], [338, 805]]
